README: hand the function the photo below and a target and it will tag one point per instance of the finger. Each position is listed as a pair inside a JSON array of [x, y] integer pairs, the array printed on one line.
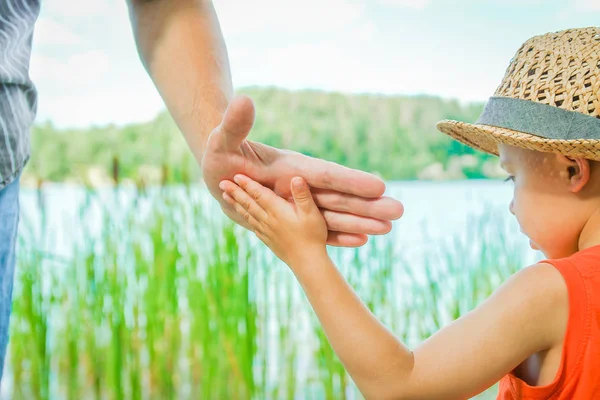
[[228, 199], [329, 175], [383, 208], [241, 197], [237, 121], [263, 196], [261, 236], [342, 239], [337, 239], [350, 223], [254, 224], [302, 197]]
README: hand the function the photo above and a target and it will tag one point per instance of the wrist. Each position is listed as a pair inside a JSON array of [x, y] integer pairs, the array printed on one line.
[[307, 257]]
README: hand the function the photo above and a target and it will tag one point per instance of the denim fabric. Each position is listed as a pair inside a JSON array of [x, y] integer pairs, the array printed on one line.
[[9, 221]]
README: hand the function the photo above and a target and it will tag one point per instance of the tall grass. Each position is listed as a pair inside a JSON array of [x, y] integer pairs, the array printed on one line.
[[163, 298]]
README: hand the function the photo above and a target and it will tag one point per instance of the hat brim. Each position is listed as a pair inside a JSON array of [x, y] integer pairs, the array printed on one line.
[[486, 138]]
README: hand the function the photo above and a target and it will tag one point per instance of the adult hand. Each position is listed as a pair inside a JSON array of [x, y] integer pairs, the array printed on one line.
[[350, 200]]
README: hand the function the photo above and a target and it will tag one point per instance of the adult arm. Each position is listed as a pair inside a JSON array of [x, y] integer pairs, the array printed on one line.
[[182, 48]]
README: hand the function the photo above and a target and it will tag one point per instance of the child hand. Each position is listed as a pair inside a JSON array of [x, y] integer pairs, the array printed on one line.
[[291, 230]]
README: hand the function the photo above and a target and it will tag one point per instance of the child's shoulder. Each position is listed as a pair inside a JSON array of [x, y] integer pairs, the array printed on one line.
[[584, 263], [540, 284], [563, 289], [580, 273], [540, 295]]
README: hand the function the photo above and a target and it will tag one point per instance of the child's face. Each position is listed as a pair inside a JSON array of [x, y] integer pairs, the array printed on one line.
[[551, 208]]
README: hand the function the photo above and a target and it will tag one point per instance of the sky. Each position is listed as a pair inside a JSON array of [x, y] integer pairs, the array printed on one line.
[[87, 70]]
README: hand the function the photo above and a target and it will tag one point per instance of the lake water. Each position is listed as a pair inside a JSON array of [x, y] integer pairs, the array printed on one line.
[[434, 212]]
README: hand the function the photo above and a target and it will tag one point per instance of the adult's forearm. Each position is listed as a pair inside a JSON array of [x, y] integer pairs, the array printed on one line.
[[181, 46], [376, 360]]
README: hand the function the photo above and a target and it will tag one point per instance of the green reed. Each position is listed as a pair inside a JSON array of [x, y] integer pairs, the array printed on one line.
[[171, 301]]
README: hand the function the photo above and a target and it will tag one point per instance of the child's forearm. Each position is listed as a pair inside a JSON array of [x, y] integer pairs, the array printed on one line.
[[375, 359]]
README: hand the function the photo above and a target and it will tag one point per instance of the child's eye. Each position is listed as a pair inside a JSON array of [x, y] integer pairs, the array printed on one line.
[[510, 178]]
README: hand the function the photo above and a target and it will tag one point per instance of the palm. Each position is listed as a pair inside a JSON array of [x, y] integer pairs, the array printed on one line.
[[351, 200], [221, 163]]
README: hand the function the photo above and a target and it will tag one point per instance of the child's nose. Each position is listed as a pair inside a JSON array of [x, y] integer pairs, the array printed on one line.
[[511, 207]]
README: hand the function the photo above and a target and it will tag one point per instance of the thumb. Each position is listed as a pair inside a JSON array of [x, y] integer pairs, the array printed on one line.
[[302, 196], [237, 121]]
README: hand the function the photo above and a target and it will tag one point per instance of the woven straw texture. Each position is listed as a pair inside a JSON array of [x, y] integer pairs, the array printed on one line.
[[560, 69]]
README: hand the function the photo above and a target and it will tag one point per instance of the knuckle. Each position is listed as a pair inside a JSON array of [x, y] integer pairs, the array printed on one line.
[[239, 208], [330, 218], [268, 223], [345, 203], [326, 175]]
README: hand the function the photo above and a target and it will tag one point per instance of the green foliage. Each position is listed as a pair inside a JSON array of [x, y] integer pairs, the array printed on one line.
[[393, 136], [168, 300]]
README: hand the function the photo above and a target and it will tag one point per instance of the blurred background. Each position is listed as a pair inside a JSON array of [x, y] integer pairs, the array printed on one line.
[[131, 284]]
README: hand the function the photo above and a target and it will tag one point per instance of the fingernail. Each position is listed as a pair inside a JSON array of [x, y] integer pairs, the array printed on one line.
[[297, 182], [222, 185]]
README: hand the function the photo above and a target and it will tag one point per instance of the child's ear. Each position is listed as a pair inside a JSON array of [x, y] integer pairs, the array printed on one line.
[[576, 170]]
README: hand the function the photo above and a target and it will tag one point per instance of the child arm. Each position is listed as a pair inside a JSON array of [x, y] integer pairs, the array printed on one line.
[[527, 314], [524, 316]]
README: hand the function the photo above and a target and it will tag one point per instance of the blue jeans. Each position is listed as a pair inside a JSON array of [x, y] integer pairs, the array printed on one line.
[[9, 221]]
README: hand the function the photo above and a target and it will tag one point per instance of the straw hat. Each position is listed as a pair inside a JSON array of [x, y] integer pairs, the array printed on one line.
[[549, 99]]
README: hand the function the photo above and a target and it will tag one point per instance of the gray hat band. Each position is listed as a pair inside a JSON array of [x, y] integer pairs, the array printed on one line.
[[539, 119]]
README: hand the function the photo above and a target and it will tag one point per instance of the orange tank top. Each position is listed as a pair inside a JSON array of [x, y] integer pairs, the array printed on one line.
[[578, 376]]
